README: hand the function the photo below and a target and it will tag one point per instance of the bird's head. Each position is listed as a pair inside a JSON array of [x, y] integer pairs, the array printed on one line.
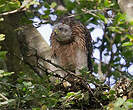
[[63, 33]]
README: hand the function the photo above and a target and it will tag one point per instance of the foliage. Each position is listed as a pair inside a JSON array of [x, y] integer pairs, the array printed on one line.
[[114, 48], [28, 92], [121, 104], [8, 5]]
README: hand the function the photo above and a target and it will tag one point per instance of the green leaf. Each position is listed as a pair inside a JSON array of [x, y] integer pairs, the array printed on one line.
[[47, 12], [53, 5], [120, 19], [104, 97], [24, 89], [131, 22], [9, 5], [2, 37], [3, 54], [130, 100], [60, 12], [106, 3], [99, 1], [69, 5], [44, 16], [36, 109], [103, 18], [119, 102], [127, 44], [46, 5], [128, 105], [70, 94], [129, 36], [116, 29], [27, 84], [112, 92]]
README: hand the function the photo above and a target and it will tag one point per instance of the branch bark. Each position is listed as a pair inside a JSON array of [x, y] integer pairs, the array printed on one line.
[[14, 29]]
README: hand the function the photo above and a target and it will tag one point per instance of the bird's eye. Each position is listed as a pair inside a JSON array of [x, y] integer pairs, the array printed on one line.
[[60, 29]]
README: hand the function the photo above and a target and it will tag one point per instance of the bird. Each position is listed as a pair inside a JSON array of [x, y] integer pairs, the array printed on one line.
[[71, 45]]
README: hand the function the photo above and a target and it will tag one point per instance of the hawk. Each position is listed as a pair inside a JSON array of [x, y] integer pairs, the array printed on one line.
[[71, 45]]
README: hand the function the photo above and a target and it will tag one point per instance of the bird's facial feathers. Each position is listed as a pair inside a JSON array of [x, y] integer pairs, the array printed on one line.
[[63, 33]]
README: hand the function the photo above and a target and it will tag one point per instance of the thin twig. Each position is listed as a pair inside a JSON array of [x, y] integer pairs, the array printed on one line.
[[14, 11], [5, 98]]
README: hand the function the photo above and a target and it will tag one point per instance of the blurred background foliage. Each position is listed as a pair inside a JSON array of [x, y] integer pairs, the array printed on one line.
[[114, 50]]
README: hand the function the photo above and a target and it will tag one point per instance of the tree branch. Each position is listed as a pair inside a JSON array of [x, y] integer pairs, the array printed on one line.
[[14, 11], [5, 98]]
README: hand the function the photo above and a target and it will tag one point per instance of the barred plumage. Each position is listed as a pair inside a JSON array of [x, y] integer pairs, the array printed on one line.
[[75, 51]]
